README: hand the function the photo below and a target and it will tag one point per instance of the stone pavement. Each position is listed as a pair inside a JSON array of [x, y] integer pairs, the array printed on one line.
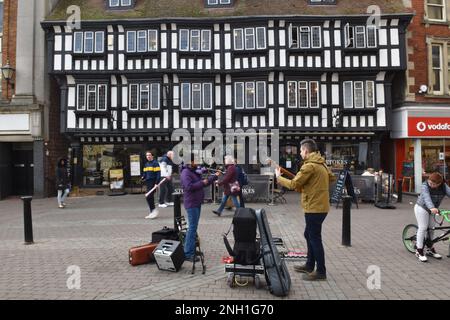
[[94, 234]]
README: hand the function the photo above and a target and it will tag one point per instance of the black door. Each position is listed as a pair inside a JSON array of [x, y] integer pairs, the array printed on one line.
[[22, 178]]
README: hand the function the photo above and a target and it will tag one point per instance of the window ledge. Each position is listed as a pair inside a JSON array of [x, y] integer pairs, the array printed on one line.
[[90, 112], [249, 52], [143, 112], [195, 54], [299, 110], [443, 22], [87, 55], [356, 111], [252, 111], [437, 96], [360, 50], [306, 50], [141, 54]]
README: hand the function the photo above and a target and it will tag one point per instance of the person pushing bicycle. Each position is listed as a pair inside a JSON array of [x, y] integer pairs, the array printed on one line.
[[433, 192]]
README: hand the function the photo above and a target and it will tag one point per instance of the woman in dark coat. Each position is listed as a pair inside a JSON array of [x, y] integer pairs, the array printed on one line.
[[62, 182], [230, 177]]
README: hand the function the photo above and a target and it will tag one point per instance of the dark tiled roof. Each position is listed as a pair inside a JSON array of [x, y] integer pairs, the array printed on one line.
[[96, 9]]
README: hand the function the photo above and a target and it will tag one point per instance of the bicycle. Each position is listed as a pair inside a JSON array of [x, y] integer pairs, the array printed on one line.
[[410, 232]]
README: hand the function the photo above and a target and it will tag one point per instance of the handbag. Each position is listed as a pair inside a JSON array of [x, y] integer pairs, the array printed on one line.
[[235, 187]]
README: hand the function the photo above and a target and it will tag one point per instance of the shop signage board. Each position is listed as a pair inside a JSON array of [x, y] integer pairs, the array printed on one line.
[[344, 181], [116, 179], [135, 165], [428, 127]]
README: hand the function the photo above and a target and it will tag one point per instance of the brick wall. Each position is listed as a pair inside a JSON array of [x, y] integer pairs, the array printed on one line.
[[417, 49], [9, 41]]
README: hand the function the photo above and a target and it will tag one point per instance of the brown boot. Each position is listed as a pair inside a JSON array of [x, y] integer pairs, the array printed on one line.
[[314, 276], [302, 268]]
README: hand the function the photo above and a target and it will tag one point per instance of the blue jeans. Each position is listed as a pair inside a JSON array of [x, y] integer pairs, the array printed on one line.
[[224, 201], [193, 215], [313, 236]]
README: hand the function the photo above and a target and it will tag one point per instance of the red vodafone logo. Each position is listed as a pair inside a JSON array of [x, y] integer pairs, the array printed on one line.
[[428, 127]]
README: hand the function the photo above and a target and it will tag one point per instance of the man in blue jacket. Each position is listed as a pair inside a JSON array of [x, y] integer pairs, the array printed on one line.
[[151, 175]]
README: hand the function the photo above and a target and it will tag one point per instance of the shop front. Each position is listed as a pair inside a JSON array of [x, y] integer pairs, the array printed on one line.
[[422, 144]]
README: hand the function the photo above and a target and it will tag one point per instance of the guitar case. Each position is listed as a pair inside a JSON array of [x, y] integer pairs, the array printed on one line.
[[277, 275]]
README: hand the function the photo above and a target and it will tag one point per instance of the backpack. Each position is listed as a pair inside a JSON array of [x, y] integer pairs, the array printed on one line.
[[246, 249], [241, 176]]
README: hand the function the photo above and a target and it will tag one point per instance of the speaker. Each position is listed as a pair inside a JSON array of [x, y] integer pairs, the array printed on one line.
[[169, 255]]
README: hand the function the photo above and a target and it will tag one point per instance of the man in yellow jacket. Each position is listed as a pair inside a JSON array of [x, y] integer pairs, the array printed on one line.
[[312, 181]]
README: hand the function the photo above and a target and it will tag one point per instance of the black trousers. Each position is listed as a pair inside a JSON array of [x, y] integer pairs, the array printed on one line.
[[151, 197], [165, 191]]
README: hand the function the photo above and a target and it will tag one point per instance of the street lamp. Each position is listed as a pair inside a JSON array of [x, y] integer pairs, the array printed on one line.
[[7, 74]]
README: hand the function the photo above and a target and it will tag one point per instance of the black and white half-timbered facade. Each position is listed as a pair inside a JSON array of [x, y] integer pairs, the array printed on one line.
[[126, 82]]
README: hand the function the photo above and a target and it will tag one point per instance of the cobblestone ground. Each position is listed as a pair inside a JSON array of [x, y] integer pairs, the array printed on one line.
[[95, 233]]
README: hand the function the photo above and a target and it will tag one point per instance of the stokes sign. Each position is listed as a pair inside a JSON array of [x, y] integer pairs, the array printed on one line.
[[428, 127]]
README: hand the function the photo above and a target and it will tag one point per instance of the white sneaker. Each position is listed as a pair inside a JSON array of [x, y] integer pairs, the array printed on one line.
[[61, 206], [153, 214], [421, 257], [162, 205], [170, 204], [432, 253]]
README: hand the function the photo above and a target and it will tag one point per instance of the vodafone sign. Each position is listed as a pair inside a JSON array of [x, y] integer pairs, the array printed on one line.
[[428, 127]]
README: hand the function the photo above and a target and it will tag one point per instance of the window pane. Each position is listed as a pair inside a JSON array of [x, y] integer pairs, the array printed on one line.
[[436, 52], [260, 38], [292, 94], [131, 41], [260, 94], [207, 96], [141, 41], [304, 37], [249, 38], [196, 96], [435, 13], [359, 97], [239, 95], [144, 96], [348, 94], [238, 39], [81, 104], [113, 3], [314, 94], [134, 88], [371, 36], [99, 42], [294, 37], [91, 96], [370, 102], [206, 40], [89, 42], [155, 96], [195, 40], [316, 37], [185, 96], [303, 94], [102, 97], [224, 1], [126, 2], [152, 40], [184, 39], [78, 42], [212, 2], [360, 36], [249, 95]]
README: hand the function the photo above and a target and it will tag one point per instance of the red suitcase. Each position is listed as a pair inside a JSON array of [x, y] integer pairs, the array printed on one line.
[[142, 254]]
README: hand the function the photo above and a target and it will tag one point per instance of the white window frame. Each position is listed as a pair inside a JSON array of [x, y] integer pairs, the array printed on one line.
[[78, 33], [98, 97], [303, 30], [306, 89], [126, 3], [83, 107], [151, 97], [86, 39], [203, 34], [241, 31], [257, 91], [441, 68], [102, 35], [88, 91], [258, 45], [143, 36], [295, 105], [187, 33], [373, 29], [196, 89], [225, 1], [358, 86], [133, 34], [184, 84], [114, 5], [317, 94], [242, 85], [349, 38], [130, 104], [443, 10], [198, 37], [248, 91], [151, 33], [249, 33], [344, 90], [293, 45], [318, 35], [141, 93], [204, 90], [367, 94], [358, 31], [213, 2]]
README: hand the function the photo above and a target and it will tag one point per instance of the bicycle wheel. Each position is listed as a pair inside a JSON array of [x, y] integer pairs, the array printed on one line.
[[409, 237]]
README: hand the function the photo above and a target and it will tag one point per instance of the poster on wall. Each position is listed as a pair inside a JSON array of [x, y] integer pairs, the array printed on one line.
[[135, 165], [116, 179]]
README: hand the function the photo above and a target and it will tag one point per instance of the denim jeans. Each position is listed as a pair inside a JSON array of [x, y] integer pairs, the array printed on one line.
[[313, 236], [193, 215], [62, 194], [224, 201]]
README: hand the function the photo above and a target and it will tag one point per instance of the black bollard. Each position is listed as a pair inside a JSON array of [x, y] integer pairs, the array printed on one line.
[[176, 209], [346, 210], [399, 190], [27, 220]]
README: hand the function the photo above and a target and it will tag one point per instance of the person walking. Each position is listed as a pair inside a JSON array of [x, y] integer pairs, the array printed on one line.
[[62, 182], [229, 183], [165, 196], [312, 181], [151, 176], [193, 196], [433, 192]]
